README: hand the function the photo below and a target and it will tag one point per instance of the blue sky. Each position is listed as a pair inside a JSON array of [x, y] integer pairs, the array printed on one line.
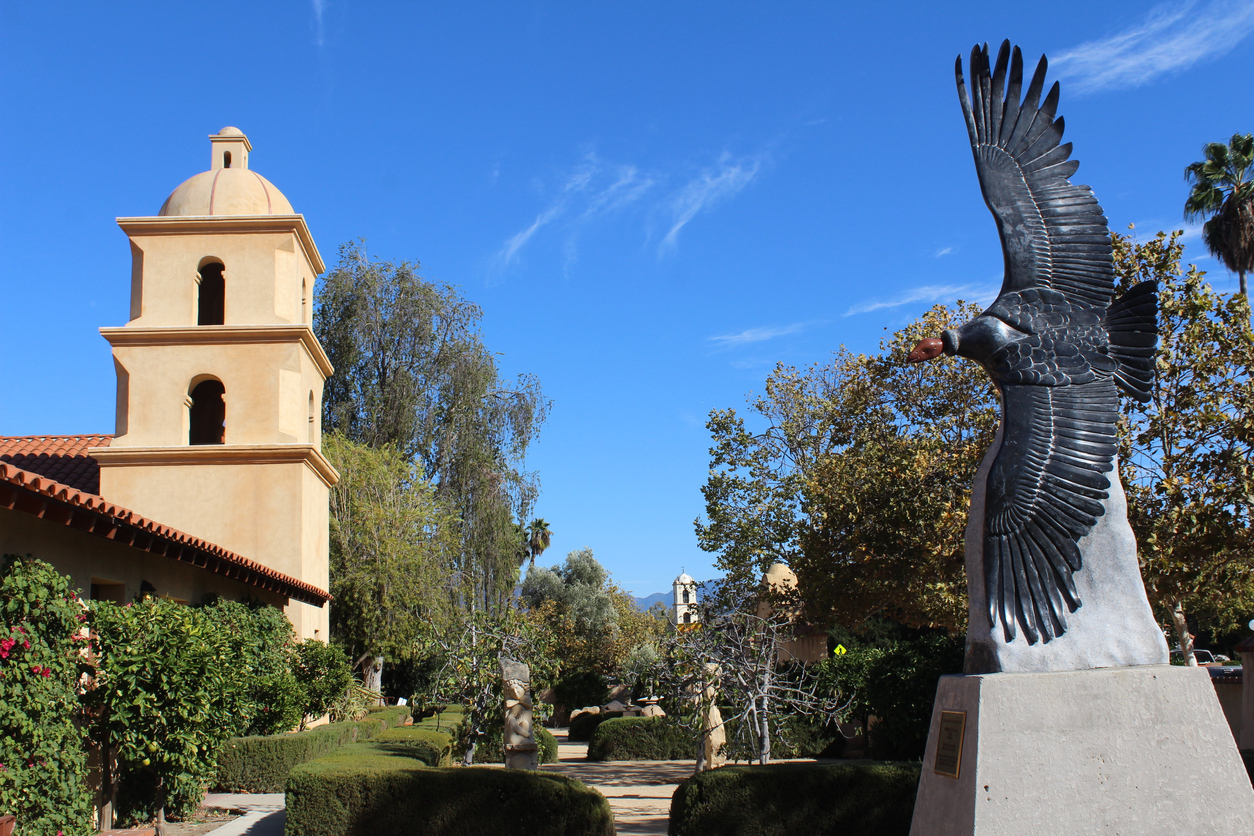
[[652, 202]]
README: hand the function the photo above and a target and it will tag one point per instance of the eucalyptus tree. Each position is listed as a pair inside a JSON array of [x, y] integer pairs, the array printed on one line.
[[1223, 191], [412, 371]]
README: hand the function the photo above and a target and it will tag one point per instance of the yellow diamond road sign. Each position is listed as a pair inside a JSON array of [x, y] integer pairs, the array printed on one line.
[[840, 650]]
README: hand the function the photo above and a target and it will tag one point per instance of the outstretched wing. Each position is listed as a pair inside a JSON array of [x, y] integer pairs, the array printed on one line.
[[1045, 491], [1053, 233]]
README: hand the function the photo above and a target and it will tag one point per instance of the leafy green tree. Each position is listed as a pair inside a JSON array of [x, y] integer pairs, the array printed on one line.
[[262, 655], [860, 482], [43, 753], [161, 704], [413, 372], [392, 552], [323, 672], [1223, 191], [1187, 456]]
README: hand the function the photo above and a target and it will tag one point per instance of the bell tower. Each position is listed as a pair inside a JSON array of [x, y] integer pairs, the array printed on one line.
[[219, 375]]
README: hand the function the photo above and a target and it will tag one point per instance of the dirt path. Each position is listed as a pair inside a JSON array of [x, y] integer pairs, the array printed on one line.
[[639, 792]]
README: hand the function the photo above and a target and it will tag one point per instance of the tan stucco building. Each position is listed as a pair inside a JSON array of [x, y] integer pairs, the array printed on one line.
[[219, 395]]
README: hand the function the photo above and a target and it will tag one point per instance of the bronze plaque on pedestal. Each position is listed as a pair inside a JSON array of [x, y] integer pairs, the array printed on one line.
[[949, 743]]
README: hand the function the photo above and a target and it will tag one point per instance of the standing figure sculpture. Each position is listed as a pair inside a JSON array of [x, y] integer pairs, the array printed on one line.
[[1048, 529], [518, 739]]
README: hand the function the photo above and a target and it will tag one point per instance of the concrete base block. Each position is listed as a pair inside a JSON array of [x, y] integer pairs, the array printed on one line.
[[1117, 751]]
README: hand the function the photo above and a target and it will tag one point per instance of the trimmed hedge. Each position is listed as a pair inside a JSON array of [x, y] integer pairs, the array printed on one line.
[[363, 793], [582, 727], [788, 798], [262, 764], [431, 747], [489, 750], [641, 739]]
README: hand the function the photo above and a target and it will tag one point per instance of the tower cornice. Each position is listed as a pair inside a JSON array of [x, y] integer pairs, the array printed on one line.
[[222, 335], [206, 454], [226, 224]]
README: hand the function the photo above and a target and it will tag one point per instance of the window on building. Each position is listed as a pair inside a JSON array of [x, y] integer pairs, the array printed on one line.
[[211, 299], [208, 413], [226, 159], [687, 618], [687, 598]]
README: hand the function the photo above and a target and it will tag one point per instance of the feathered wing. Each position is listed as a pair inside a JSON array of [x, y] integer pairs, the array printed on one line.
[[1053, 233], [1045, 491]]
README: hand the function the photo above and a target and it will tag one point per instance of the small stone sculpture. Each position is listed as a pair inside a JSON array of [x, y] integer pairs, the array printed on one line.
[[518, 741], [1048, 530]]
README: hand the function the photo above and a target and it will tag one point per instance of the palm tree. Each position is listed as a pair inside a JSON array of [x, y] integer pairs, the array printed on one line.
[[539, 537], [1223, 190]]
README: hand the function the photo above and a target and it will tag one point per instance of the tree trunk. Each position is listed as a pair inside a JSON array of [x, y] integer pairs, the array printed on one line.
[[1182, 633], [1241, 283], [106, 788], [764, 732]]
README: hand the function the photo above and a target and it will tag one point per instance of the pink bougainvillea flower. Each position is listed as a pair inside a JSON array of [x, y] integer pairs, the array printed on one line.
[[26, 644]]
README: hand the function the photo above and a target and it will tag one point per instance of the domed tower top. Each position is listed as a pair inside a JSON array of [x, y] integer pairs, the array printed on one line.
[[228, 187]]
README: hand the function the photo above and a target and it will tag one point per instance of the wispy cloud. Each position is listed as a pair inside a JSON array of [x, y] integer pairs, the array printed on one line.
[[318, 7], [1172, 38], [757, 335], [589, 190], [709, 188], [942, 252], [929, 293]]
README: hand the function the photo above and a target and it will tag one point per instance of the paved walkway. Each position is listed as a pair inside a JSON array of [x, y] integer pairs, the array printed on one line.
[[264, 813], [639, 792]]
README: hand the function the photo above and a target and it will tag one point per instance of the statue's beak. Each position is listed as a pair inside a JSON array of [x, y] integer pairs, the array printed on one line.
[[925, 350]]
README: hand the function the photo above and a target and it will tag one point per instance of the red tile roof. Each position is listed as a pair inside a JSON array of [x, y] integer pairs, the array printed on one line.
[[62, 458], [43, 497]]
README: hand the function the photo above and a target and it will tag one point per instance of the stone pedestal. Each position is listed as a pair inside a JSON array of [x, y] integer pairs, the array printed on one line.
[[1137, 751]]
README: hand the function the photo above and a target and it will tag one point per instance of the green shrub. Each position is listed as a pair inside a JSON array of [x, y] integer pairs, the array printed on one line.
[[261, 764], [641, 739], [433, 748], [324, 673], [489, 749], [582, 727], [43, 760], [901, 690], [896, 683], [788, 798], [366, 792], [262, 655], [164, 702]]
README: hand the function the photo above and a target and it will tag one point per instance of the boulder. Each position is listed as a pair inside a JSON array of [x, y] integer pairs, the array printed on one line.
[[615, 705], [652, 711]]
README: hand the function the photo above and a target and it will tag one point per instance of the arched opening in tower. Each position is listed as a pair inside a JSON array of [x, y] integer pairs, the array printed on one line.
[[211, 301], [208, 413]]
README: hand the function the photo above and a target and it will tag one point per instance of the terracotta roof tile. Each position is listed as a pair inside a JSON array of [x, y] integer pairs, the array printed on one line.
[[44, 497], [62, 458]]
